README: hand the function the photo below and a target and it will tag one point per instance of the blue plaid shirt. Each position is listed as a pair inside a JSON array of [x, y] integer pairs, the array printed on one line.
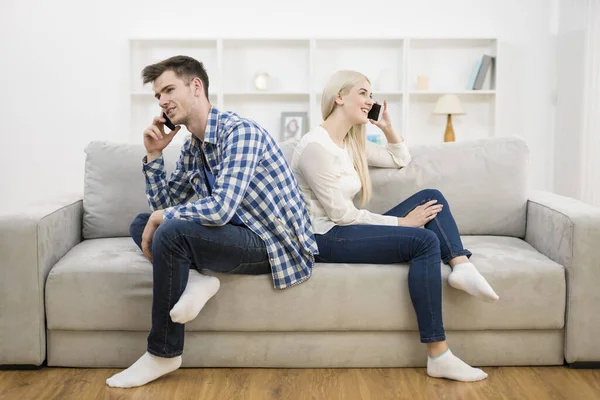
[[253, 181]]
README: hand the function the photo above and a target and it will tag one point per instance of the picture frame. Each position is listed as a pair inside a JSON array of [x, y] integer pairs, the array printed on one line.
[[293, 125]]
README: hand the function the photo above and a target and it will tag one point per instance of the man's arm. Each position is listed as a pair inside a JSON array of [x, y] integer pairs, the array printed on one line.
[[242, 151], [162, 194]]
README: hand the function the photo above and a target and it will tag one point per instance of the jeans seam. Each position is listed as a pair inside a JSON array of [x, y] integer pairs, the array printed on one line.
[[366, 239], [433, 321], [452, 254], [431, 339], [169, 300], [219, 243], [165, 355]]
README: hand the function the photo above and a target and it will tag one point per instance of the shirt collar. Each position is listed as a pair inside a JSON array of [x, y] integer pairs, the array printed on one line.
[[212, 128]]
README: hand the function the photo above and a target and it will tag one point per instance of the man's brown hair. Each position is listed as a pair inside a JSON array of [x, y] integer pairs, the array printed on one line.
[[184, 67]]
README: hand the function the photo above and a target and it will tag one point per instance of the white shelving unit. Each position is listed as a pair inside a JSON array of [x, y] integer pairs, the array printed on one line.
[[299, 69]]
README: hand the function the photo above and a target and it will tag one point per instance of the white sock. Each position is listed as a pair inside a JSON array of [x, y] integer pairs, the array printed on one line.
[[198, 291], [447, 365], [144, 370], [466, 277]]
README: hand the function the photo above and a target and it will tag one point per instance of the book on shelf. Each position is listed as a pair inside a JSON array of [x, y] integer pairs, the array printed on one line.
[[480, 72]]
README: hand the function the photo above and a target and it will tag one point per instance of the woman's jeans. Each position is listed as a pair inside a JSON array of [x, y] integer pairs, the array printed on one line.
[[423, 248], [178, 246]]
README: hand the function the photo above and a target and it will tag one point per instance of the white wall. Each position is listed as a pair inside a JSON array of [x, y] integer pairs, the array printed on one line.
[[64, 67], [575, 80]]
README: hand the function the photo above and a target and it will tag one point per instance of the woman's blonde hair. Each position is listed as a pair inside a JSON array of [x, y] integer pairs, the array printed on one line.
[[340, 83]]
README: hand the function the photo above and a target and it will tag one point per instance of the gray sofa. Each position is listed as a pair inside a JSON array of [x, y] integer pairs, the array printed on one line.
[[75, 290]]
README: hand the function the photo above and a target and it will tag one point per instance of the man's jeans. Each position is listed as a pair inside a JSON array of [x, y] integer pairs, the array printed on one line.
[[178, 246], [423, 248]]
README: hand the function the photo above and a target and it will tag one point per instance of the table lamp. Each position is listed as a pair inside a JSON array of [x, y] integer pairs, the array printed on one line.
[[448, 105]]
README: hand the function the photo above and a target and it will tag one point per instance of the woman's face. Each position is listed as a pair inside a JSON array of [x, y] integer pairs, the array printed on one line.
[[357, 103]]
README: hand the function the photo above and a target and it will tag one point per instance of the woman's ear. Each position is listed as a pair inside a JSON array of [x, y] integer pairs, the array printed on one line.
[[338, 100]]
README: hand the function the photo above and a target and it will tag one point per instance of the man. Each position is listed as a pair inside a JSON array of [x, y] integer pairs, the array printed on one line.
[[249, 218]]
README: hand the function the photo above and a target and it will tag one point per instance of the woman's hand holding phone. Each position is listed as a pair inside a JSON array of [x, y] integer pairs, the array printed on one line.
[[384, 121], [155, 138]]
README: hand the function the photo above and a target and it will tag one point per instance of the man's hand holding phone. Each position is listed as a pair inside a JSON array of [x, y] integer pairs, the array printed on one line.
[[155, 138]]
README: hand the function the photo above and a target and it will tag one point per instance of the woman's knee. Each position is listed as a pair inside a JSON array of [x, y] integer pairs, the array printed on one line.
[[432, 194], [429, 241]]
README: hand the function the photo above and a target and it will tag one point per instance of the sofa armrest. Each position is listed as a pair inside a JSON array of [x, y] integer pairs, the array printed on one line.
[[31, 242], [568, 232]]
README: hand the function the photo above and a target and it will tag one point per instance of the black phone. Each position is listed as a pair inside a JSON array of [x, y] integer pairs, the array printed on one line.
[[375, 112], [168, 122]]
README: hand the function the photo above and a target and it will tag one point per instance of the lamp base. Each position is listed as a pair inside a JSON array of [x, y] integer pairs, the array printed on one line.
[[449, 134]]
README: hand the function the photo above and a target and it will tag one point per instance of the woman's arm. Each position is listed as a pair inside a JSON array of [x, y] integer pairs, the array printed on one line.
[[322, 172], [392, 155], [395, 154]]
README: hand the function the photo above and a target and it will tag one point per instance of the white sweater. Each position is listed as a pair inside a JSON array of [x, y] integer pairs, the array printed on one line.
[[329, 182]]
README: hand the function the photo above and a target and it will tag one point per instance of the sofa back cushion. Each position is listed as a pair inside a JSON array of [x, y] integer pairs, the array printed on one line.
[[484, 181], [114, 187]]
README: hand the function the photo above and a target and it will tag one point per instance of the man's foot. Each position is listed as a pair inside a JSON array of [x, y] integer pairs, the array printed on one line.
[[447, 365], [466, 277], [199, 290], [144, 370]]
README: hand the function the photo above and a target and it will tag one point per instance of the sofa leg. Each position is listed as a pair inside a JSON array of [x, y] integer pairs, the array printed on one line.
[[25, 367], [585, 365]]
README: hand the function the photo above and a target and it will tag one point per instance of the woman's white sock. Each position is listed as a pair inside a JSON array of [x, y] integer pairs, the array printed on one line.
[[447, 365], [466, 277]]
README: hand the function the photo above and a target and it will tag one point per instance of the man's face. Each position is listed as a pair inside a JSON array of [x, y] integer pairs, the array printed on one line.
[[174, 97]]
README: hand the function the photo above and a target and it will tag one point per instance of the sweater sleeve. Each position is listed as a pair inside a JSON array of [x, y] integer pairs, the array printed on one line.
[[392, 155], [322, 173]]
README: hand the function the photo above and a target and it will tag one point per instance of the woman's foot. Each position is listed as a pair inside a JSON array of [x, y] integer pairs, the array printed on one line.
[[465, 277], [447, 365]]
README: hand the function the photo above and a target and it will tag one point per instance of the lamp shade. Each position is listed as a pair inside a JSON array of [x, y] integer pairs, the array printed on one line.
[[448, 104]]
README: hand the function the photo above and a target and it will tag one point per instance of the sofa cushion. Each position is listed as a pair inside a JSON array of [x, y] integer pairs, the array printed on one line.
[[106, 284], [484, 181], [114, 187]]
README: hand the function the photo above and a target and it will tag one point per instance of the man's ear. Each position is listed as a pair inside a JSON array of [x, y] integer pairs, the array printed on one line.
[[198, 86]]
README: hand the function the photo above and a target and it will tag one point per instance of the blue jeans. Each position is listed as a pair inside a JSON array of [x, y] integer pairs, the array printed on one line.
[[178, 246], [423, 248]]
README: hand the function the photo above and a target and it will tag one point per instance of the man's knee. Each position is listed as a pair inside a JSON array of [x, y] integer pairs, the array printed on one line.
[[170, 230], [139, 223]]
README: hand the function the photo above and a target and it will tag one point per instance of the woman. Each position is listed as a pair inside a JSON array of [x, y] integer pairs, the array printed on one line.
[[331, 164]]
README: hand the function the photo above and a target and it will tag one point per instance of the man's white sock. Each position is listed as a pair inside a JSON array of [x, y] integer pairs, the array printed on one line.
[[144, 370], [447, 365], [198, 291], [466, 277]]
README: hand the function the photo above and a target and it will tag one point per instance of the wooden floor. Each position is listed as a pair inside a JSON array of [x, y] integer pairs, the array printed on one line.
[[265, 384]]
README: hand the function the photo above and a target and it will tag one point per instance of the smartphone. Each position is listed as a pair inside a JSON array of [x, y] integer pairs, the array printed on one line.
[[168, 122], [375, 112]]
